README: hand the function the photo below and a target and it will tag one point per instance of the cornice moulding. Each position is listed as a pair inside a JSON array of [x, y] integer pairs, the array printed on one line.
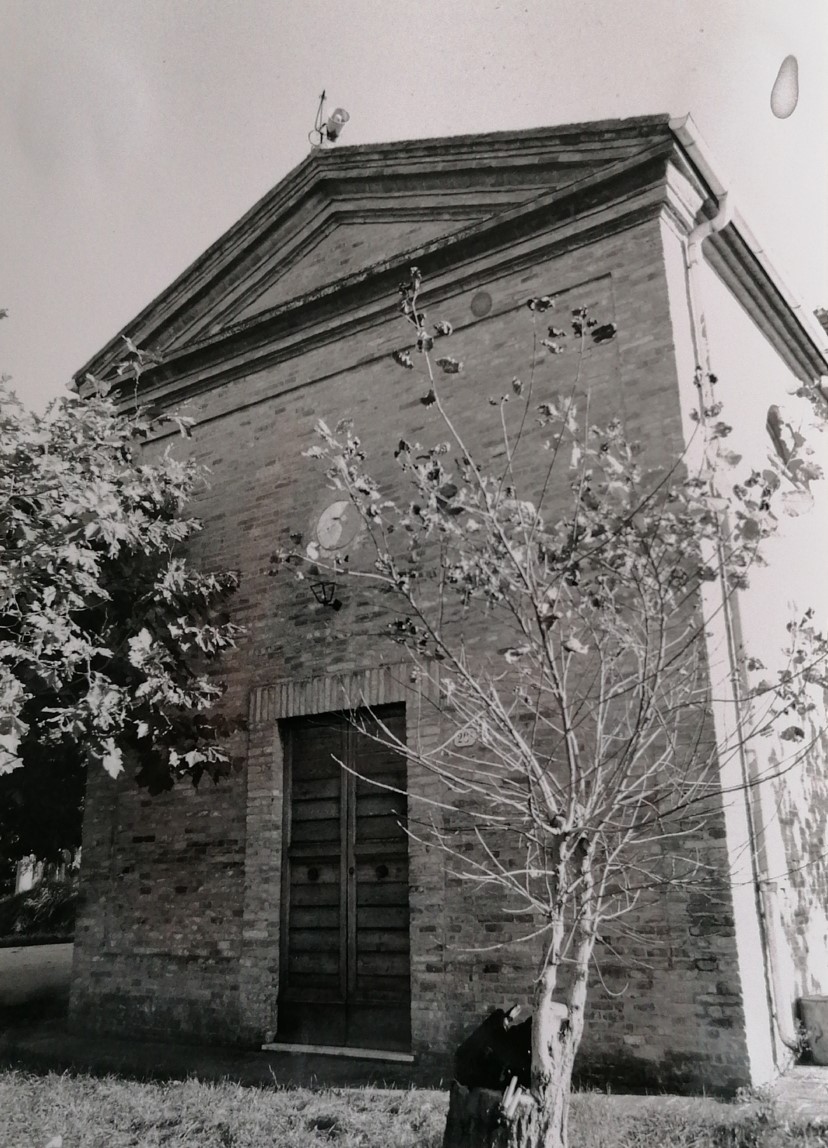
[[492, 159], [368, 299], [743, 265], [730, 256], [662, 167]]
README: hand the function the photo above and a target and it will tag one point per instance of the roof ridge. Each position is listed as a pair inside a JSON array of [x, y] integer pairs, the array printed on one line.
[[326, 163], [546, 131]]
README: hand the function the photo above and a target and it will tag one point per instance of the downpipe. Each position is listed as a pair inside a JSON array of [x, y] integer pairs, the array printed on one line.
[[770, 919], [773, 928]]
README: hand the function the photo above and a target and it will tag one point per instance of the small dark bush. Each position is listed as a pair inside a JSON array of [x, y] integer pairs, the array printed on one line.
[[47, 909]]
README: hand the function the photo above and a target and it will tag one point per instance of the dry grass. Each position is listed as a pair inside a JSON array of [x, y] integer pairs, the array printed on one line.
[[600, 1121], [111, 1113]]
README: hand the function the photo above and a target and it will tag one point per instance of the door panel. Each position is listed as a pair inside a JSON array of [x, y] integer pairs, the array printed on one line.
[[345, 925]]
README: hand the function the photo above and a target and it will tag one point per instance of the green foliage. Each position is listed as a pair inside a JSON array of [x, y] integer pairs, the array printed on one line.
[[46, 910], [106, 629]]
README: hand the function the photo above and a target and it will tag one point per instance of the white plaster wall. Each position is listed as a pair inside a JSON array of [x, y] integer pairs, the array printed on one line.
[[752, 378], [790, 811], [749, 939]]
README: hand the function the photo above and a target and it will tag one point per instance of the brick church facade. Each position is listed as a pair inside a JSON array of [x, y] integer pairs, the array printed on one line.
[[200, 919]]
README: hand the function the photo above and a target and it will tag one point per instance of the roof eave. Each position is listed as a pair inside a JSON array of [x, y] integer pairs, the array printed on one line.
[[497, 232], [811, 334], [317, 167]]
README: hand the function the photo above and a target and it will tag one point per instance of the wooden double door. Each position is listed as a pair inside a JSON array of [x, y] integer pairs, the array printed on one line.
[[345, 970]]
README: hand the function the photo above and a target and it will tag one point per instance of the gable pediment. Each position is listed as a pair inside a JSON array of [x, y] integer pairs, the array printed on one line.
[[341, 212], [338, 244], [343, 248]]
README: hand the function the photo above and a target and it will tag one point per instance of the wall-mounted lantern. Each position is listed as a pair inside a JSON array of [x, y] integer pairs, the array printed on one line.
[[325, 594]]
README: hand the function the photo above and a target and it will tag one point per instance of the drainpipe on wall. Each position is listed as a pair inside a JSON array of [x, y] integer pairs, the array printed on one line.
[[765, 890], [770, 917], [784, 1023], [686, 132]]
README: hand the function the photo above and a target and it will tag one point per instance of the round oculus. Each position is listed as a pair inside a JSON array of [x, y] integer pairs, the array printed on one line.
[[337, 525]]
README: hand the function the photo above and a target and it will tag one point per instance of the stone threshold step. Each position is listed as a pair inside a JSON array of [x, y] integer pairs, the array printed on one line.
[[339, 1050]]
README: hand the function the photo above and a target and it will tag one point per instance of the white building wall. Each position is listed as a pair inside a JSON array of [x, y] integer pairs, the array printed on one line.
[[754, 972], [791, 809]]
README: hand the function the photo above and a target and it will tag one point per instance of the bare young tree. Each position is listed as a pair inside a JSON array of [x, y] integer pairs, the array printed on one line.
[[553, 599]]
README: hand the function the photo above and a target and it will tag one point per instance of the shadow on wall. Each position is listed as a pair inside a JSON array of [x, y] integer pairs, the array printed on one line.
[[802, 796]]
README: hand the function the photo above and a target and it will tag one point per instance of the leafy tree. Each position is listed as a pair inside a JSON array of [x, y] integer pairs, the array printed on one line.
[[106, 628], [559, 603]]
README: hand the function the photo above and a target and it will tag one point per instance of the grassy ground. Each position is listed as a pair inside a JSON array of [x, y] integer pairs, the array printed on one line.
[[89, 1113], [111, 1113]]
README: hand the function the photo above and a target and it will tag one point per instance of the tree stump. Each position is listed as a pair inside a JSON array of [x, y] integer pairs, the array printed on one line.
[[473, 1119], [476, 1120]]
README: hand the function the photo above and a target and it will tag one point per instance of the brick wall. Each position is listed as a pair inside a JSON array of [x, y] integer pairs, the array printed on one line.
[[209, 971], [158, 938], [339, 250]]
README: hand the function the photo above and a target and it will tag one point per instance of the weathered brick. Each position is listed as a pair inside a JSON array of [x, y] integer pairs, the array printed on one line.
[[179, 929]]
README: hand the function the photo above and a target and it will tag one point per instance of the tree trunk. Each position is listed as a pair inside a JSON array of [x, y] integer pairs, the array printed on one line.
[[553, 1055], [475, 1120], [539, 1119], [541, 1126], [478, 1118]]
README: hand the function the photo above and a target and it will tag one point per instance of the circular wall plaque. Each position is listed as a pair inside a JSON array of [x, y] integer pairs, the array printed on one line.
[[337, 525], [481, 304]]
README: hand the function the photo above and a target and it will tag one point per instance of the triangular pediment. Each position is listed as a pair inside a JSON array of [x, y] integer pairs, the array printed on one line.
[[337, 246], [342, 249], [341, 212]]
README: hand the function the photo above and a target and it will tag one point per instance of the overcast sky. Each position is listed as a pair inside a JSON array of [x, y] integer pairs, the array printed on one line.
[[134, 132]]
